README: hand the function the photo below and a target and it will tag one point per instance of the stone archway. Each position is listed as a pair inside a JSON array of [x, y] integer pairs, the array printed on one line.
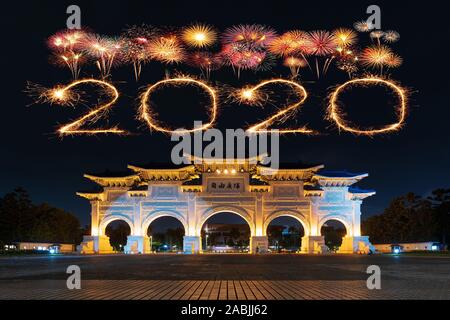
[[213, 211], [114, 217], [287, 213], [155, 215], [210, 212], [296, 215], [346, 244]]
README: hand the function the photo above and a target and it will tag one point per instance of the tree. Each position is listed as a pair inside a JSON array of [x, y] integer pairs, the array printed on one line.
[[21, 220], [408, 218], [440, 201]]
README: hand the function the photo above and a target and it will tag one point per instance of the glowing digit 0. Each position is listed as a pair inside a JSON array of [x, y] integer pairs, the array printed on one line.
[[335, 111], [149, 118]]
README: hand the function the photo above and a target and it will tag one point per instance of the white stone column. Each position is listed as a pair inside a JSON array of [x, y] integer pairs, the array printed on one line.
[[313, 244], [192, 244], [137, 244], [259, 244]]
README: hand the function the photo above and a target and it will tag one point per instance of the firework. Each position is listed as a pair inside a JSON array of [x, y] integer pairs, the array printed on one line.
[[294, 64], [253, 36], [241, 57], [67, 40], [205, 61], [391, 36], [166, 49], [291, 42], [394, 61], [136, 39], [105, 51], [69, 59], [376, 56], [199, 36], [345, 37], [336, 114], [67, 48], [257, 96], [362, 26], [67, 95], [321, 43], [150, 117]]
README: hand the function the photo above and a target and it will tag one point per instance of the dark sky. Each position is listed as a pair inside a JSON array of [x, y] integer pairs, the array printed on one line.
[[51, 169]]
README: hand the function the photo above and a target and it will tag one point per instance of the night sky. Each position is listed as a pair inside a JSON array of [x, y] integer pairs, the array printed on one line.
[[32, 156]]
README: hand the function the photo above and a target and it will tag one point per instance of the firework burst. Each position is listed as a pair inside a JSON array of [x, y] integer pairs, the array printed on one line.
[[67, 47], [391, 36], [294, 64], [199, 36], [205, 61], [362, 26], [289, 43], [376, 56], [253, 36], [166, 49], [345, 37], [136, 39], [321, 43], [107, 52]]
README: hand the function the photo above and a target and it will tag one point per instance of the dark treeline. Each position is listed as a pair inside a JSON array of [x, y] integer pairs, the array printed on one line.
[[411, 218], [22, 220]]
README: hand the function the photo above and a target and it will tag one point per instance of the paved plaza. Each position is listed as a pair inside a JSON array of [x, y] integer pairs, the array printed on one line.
[[225, 277]]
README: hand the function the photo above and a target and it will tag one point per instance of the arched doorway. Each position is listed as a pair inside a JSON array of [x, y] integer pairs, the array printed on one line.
[[118, 232], [225, 232], [333, 232], [285, 234], [165, 234]]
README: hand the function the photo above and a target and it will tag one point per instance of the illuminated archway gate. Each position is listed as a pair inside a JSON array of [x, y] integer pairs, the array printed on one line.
[[195, 192]]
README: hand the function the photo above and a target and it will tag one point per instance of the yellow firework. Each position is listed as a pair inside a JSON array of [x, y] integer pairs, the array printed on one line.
[[149, 117], [166, 49], [394, 61], [199, 36], [293, 41], [345, 37], [376, 56], [336, 114]]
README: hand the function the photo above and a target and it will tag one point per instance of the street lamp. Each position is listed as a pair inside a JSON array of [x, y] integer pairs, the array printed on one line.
[[206, 236], [151, 244]]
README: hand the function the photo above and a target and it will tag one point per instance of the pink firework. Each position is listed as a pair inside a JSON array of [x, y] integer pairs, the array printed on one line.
[[254, 36], [321, 43], [67, 40], [205, 61]]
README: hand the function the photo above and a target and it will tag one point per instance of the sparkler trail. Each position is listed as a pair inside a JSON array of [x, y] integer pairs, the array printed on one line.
[[64, 96], [252, 96], [150, 117], [336, 114]]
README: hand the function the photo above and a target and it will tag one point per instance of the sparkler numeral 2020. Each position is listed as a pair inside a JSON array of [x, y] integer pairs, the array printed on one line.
[[254, 95]]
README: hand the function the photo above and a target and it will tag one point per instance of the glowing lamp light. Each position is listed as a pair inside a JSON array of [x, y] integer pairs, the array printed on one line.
[[218, 171], [226, 171], [396, 250], [233, 171]]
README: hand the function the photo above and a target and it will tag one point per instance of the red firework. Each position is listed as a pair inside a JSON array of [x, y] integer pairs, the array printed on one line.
[[321, 43]]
